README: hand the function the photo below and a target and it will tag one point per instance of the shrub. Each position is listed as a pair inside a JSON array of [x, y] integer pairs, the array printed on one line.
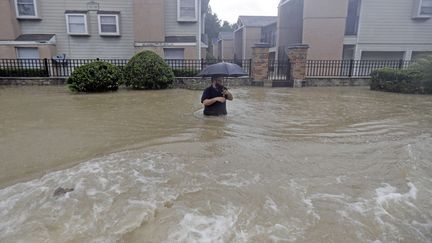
[[146, 70], [22, 72], [185, 72], [393, 80], [97, 76], [424, 67]]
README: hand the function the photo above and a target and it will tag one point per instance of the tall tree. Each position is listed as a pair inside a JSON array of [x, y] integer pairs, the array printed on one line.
[[212, 24], [226, 26]]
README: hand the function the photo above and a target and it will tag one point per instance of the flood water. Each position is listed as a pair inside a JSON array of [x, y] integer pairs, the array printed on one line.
[[286, 165]]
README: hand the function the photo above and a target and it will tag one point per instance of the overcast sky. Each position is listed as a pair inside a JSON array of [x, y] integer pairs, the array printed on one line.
[[230, 9]]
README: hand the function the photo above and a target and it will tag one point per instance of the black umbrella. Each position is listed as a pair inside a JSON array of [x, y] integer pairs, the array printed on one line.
[[222, 69]]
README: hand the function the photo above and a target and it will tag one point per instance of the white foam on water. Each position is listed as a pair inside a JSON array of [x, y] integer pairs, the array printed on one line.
[[392, 211], [112, 196], [236, 180], [270, 204], [387, 194], [199, 227]]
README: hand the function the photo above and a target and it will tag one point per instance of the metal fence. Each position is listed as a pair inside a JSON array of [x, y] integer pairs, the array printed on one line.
[[65, 67], [279, 70], [350, 68], [196, 65]]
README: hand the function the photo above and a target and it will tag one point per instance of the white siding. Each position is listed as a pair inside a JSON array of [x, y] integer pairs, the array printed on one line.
[[52, 13], [390, 22], [175, 28]]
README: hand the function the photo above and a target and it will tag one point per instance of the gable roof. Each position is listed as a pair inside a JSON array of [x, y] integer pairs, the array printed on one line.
[[257, 21]]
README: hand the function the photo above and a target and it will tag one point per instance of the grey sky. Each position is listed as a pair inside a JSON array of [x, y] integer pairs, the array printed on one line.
[[230, 9]]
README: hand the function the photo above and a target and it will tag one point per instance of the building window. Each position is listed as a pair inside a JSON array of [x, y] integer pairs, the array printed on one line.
[[109, 24], [426, 7], [76, 24], [187, 10], [26, 8], [174, 53], [353, 17]]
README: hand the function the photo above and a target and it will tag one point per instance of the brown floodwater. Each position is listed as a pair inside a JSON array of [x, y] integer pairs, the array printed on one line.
[[286, 165]]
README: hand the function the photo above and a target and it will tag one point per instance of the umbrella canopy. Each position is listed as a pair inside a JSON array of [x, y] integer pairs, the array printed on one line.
[[223, 69]]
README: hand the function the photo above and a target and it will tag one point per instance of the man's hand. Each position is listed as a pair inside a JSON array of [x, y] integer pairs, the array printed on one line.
[[221, 99], [227, 95], [209, 102]]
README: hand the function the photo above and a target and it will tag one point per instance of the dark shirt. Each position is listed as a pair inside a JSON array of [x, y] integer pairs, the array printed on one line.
[[217, 108]]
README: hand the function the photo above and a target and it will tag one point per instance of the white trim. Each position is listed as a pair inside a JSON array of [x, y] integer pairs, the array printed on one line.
[[417, 11], [85, 23], [52, 41], [283, 3], [408, 55], [199, 33], [36, 16], [420, 9], [117, 33], [222, 50], [244, 43], [179, 19], [164, 44]]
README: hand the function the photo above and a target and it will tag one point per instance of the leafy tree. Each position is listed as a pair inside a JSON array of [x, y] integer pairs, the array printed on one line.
[[212, 24], [226, 26]]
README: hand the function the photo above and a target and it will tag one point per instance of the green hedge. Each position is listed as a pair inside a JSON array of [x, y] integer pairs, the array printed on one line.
[[147, 70], [424, 67], [27, 72], [394, 80], [417, 79], [185, 72], [97, 76]]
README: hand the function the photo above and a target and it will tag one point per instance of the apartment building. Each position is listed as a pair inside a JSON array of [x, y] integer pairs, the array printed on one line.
[[248, 34], [101, 29], [225, 45], [356, 29], [268, 36]]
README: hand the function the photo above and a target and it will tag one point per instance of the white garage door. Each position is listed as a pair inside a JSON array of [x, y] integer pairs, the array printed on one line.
[[174, 53], [27, 53]]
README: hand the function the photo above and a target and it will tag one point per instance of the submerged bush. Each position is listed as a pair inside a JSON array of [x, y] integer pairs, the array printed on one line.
[[417, 79], [394, 80], [146, 70], [95, 77], [424, 68], [185, 72], [26, 72]]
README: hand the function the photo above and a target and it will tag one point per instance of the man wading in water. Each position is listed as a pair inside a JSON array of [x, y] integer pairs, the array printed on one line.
[[214, 98]]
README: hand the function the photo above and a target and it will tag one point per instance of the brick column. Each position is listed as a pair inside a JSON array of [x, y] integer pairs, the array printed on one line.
[[260, 59], [297, 55]]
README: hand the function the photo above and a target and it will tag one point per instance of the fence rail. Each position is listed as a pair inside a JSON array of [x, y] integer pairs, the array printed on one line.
[[350, 68], [65, 67]]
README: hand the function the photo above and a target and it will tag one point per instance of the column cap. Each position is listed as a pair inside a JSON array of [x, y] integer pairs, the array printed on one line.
[[297, 46], [261, 45]]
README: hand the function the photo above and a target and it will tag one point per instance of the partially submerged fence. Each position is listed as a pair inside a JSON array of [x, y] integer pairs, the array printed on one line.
[[65, 67], [350, 68]]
